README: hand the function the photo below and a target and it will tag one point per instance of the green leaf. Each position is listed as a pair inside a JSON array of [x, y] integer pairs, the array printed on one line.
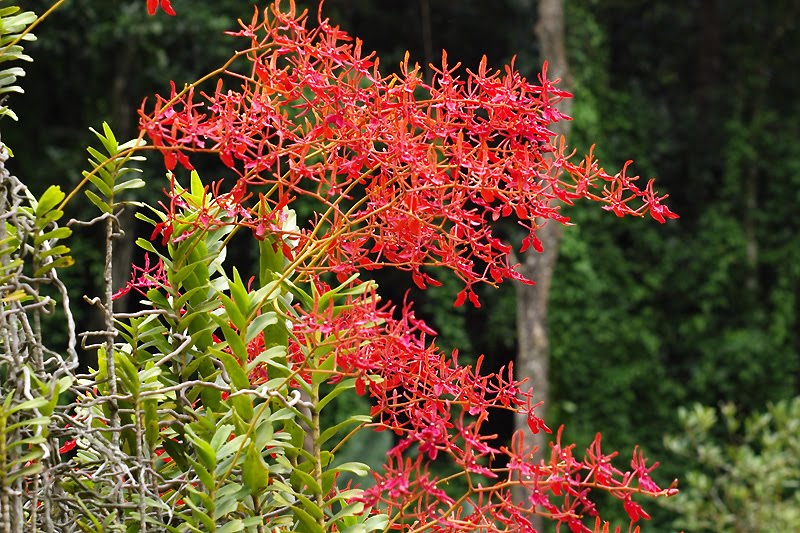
[[327, 366], [102, 179], [99, 173], [306, 299], [135, 183], [158, 299], [51, 216], [340, 387], [267, 293], [297, 434], [333, 430], [177, 278], [196, 189], [285, 413], [27, 471], [228, 498], [239, 293], [29, 422], [276, 335], [266, 356], [206, 475], [243, 405], [356, 528], [264, 433], [58, 233], [205, 451], [270, 260], [181, 302], [234, 314], [146, 245], [152, 433], [177, 452], [61, 262], [253, 522], [97, 201], [200, 512], [376, 522], [11, 73], [236, 373], [255, 473], [358, 469], [344, 496], [107, 139], [51, 198], [328, 479], [33, 455], [231, 447], [59, 249], [299, 477], [307, 524], [111, 141], [234, 369], [231, 527], [353, 509], [128, 375], [237, 345], [259, 324], [34, 403], [221, 436], [30, 441]]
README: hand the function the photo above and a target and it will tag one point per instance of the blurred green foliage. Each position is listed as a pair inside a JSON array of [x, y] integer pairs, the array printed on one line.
[[744, 475]]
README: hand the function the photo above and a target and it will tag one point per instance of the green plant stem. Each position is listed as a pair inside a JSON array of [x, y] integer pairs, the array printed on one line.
[[108, 311], [5, 503], [317, 451]]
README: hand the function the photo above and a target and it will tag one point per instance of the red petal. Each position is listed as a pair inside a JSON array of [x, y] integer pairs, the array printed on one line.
[[361, 387], [183, 159], [68, 446], [170, 160], [433, 282], [227, 159], [537, 244], [152, 5], [461, 298], [167, 7], [532, 423], [474, 299], [261, 72], [261, 230]]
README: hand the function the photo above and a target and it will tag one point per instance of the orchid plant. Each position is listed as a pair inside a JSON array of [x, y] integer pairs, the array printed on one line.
[[208, 409]]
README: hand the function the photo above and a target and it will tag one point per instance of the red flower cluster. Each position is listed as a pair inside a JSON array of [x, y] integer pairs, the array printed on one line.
[[405, 173], [438, 407], [144, 278]]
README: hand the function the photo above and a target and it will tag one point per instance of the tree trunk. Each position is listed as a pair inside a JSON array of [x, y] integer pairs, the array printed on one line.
[[123, 121], [533, 355], [427, 37]]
